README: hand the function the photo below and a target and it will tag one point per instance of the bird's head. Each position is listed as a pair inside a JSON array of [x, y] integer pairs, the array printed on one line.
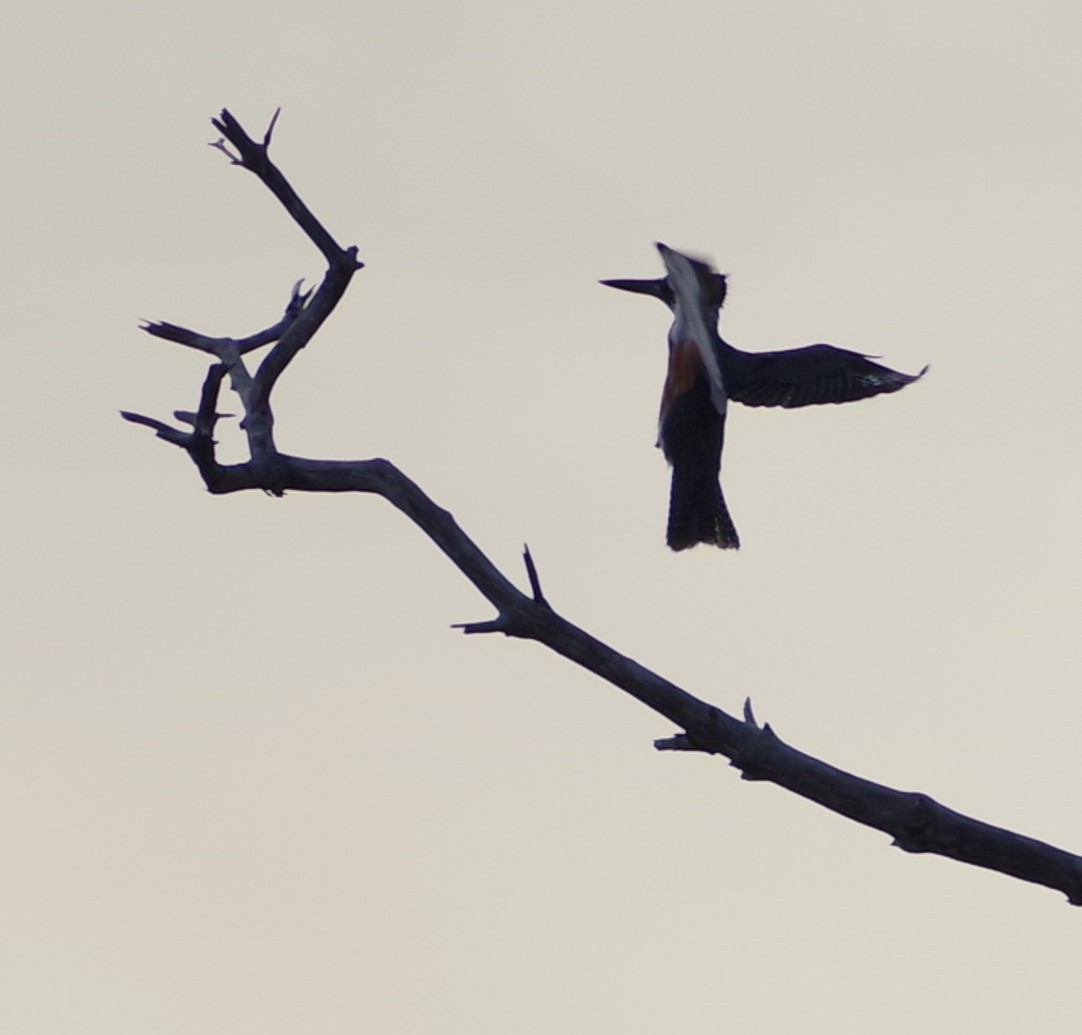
[[695, 293], [696, 278], [690, 278]]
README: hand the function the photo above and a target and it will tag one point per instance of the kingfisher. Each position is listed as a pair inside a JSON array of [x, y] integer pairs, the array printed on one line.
[[706, 372]]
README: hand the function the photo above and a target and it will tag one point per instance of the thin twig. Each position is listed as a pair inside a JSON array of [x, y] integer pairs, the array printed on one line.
[[205, 343], [164, 431], [535, 581]]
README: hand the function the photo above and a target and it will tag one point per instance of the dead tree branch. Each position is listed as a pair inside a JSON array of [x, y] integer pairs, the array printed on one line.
[[915, 821]]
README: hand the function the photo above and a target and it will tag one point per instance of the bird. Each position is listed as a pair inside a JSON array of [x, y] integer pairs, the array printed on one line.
[[705, 372]]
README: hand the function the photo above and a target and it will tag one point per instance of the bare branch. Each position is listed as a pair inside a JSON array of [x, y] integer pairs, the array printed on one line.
[[496, 625], [681, 742], [342, 263], [256, 158], [916, 822], [270, 129], [164, 431], [535, 581], [187, 417], [300, 332], [205, 343], [303, 317], [207, 416]]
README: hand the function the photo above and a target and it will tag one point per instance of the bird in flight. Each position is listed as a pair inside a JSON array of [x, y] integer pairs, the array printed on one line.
[[705, 372]]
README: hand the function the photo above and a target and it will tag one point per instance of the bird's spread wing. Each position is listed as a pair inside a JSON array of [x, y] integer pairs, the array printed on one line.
[[806, 377]]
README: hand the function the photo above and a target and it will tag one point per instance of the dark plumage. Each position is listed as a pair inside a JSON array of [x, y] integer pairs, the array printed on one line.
[[691, 434], [807, 376], [705, 372]]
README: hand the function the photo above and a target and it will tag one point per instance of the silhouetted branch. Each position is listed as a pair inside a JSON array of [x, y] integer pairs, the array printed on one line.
[[164, 431], [194, 340], [256, 158], [531, 574], [916, 822]]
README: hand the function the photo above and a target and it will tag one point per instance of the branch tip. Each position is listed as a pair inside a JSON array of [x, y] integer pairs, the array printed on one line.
[[680, 742], [350, 255], [499, 624], [187, 417], [297, 298], [164, 431], [749, 715], [270, 129], [535, 580], [219, 145]]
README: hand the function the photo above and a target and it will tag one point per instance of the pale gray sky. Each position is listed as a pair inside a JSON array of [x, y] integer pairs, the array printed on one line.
[[251, 780]]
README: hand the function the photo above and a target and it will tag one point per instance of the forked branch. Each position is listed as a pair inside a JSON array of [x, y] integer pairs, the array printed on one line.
[[916, 822]]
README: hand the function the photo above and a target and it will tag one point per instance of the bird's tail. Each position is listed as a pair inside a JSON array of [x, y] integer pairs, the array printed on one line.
[[697, 511]]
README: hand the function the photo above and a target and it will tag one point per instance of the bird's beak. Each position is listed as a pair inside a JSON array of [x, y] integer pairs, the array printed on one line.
[[657, 288]]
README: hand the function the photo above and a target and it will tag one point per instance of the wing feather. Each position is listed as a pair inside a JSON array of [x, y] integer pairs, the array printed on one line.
[[808, 376]]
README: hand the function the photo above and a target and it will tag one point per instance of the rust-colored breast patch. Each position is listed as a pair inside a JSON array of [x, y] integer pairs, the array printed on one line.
[[685, 368]]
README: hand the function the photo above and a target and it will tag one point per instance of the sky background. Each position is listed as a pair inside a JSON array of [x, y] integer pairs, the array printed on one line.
[[251, 780]]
